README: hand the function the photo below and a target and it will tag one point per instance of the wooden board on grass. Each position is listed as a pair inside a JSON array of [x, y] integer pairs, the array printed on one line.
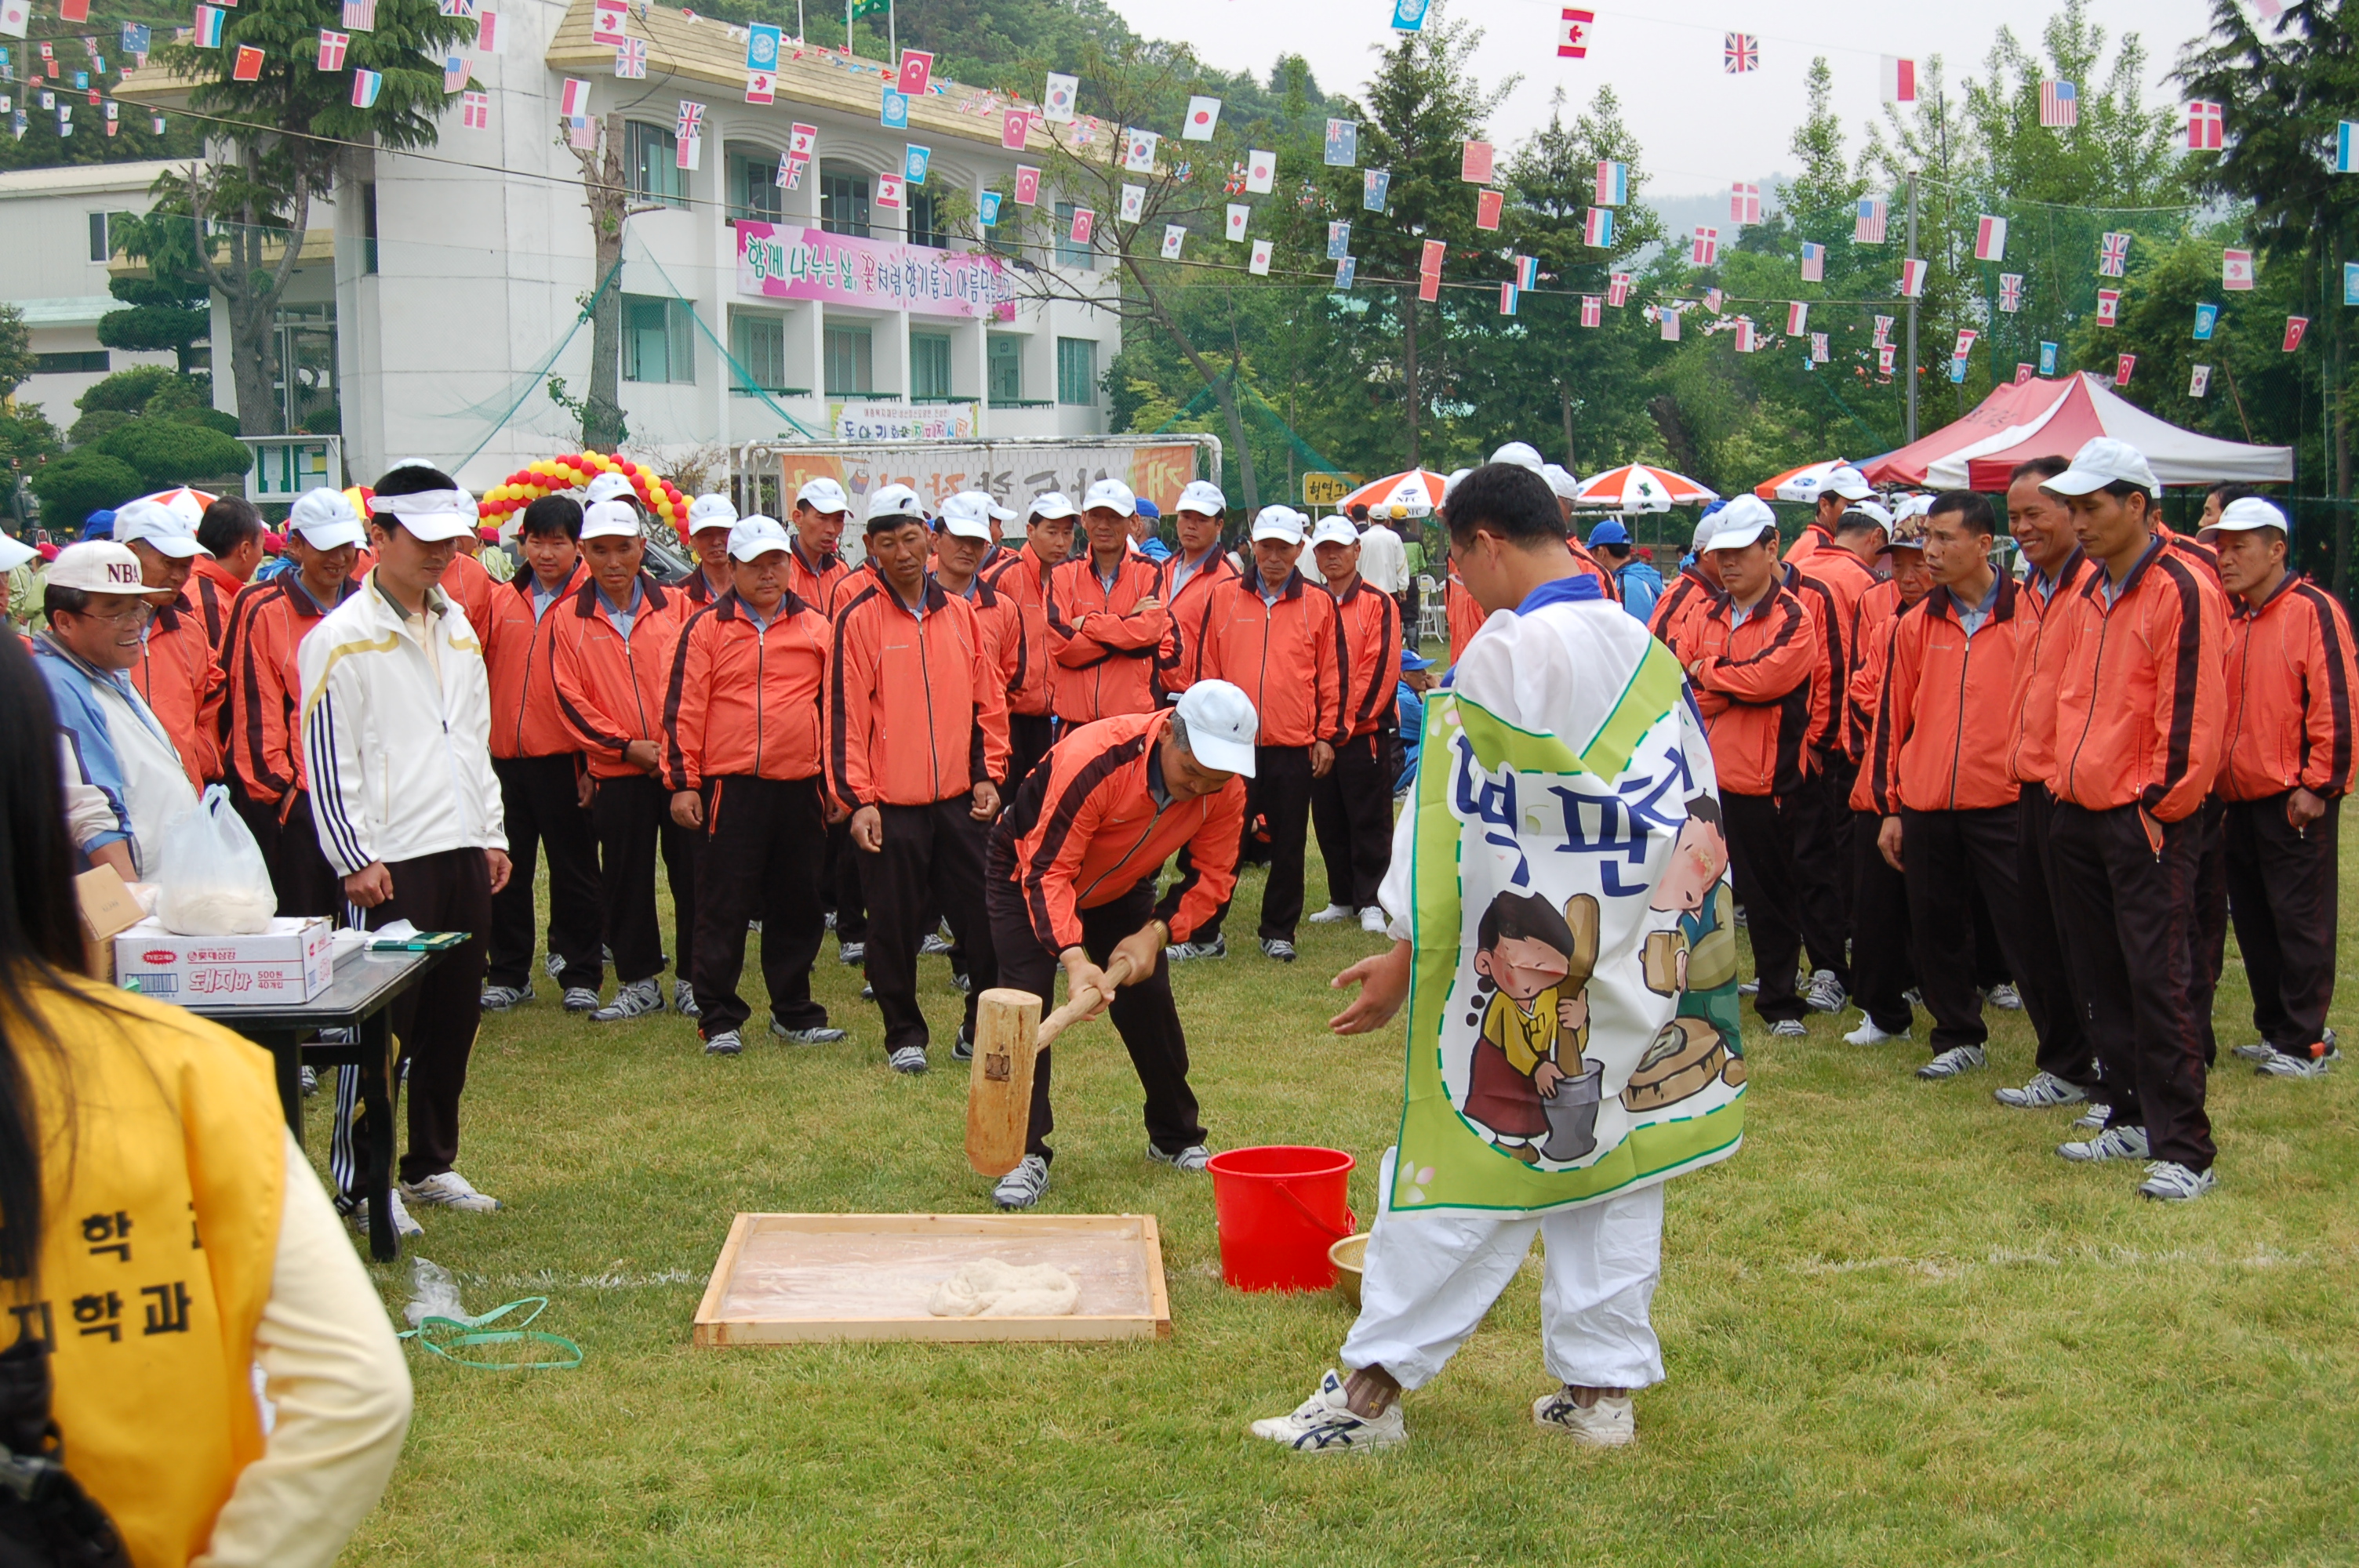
[[786, 1278]]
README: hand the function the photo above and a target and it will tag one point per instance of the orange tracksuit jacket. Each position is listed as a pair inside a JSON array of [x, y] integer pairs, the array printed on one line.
[[1828, 675], [1688, 595], [1753, 685], [1808, 542], [1288, 655], [2140, 689], [264, 708], [1094, 832], [1181, 663], [470, 588], [697, 590], [914, 715], [1880, 610], [1940, 731], [213, 592], [178, 676], [746, 700], [518, 660], [1465, 616], [1102, 644], [1001, 620], [2031, 705], [611, 689], [1019, 578], [2290, 681], [1370, 680], [819, 583]]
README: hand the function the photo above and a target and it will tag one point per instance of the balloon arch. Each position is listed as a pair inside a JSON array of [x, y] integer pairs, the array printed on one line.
[[573, 471]]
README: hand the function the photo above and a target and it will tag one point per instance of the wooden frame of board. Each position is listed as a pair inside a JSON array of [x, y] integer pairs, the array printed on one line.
[[1134, 1238]]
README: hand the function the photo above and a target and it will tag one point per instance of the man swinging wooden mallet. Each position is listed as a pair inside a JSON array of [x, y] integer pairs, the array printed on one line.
[[1069, 881]]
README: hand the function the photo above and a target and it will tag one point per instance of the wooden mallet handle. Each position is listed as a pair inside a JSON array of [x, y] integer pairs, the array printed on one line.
[[1082, 1003]]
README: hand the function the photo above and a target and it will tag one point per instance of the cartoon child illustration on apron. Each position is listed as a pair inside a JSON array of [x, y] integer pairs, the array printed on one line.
[[1529, 1081]]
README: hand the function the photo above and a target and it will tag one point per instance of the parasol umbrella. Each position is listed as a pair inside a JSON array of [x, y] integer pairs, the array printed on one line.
[[1802, 485], [182, 501], [1634, 487], [1415, 493]]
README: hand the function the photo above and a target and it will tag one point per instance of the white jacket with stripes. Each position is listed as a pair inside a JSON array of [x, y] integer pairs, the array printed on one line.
[[401, 767]]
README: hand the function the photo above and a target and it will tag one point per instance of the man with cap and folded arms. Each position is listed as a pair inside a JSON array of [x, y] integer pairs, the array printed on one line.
[[611, 654], [710, 520], [743, 736], [230, 532], [1844, 485], [1071, 883], [269, 781], [916, 743], [1280, 640], [2287, 764], [1196, 568], [96, 600], [396, 724], [1352, 804], [1752, 658], [1693, 591], [2140, 711], [537, 759], [177, 672], [1106, 621], [1022, 578]]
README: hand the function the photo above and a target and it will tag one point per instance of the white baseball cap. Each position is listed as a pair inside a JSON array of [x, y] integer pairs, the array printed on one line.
[[1523, 454], [711, 512], [430, 516], [822, 494], [1741, 522], [1279, 522], [2249, 512], [1221, 726], [1847, 482], [608, 486], [14, 552], [1451, 483], [1203, 498], [1706, 526], [2103, 462], [1049, 507], [967, 514], [610, 520], [1561, 481], [101, 565], [895, 500], [1335, 530], [756, 535], [1869, 509], [166, 531], [325, 519], [1114, 493], [1909, 506]]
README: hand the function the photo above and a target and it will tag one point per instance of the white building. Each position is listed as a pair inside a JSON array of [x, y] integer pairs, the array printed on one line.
[[436, 287]]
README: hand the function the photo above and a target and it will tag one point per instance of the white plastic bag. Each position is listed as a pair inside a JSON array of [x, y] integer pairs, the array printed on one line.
[[212, 880]]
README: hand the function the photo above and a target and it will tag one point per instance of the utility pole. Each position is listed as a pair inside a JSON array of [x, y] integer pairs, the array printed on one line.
[[1912, 312]]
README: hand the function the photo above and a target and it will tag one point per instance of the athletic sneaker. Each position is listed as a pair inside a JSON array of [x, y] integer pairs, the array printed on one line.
[[823, 1035], [2113, 1143], [683, 1000], [2168, 1181], [1824, 993], [754, 926], [449, 1189], [728, 1043], [1324, 1423], [909, 1059], [2259, 1051], [828, 920], [2093, 1119], [966, 985], [2004, 997], [1950, 1063], [499, 998], [1867, 1034], [1372, 921], [1277, 947], [553, 966], [1191, 1159], [403, 1226], [1788, 1029], [633, 1001], [852, 952], [1180, 952], [1913, 997], [1749, 988], [2044, 1090], [1333, 913], [961, 1048], [2286, 1064], [1023, 1186], [868, 993], [581, 999], [1610, 1423], [934, 944]]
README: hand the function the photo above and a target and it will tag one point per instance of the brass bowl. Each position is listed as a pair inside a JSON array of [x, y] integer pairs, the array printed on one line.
[[1350, 1256]]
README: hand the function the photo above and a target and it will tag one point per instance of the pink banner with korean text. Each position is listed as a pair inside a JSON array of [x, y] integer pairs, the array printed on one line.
[[778, 262]]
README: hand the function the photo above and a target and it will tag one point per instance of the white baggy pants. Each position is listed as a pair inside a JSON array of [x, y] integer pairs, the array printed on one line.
[[1430, 1279]]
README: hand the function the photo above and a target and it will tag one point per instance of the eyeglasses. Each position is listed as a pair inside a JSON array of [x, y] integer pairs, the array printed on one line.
[[128, 610]]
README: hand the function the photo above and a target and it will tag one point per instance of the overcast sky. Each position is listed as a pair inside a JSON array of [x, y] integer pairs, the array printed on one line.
[[1700, 127]]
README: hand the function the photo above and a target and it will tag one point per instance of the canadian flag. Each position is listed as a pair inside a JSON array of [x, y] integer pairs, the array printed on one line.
[[1899, 80], [1966, 336], [607, 22], [1990, 238], [802, 141], [2235, 269], [2109, 307], [1798, 316], [888, 194]]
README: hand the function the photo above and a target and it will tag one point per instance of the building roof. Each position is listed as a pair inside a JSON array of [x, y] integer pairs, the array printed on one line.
[[79, 310], [75, 178]]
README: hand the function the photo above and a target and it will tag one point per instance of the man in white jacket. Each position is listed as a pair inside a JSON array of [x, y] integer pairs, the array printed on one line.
[[396, 727]]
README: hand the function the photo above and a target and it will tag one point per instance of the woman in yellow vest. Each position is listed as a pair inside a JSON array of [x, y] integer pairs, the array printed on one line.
[[161, 1235]]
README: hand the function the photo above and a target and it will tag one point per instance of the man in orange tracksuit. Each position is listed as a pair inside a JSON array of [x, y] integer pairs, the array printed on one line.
[[2140, 702], [1022, 578], [175, 671], [230, 532], [537, 758], [1844, 486], [1352, 805], [272, 786], [1196, 568], [815, 570], [916, 743], [1105, 623], [1831, 590], [1072, 883], [1693, 592], [710, 519], [466, 581], [961, 538], [744, 727], [2287, 762], [1751, 661], [1280, 640], [1880, 971], [611, 654]]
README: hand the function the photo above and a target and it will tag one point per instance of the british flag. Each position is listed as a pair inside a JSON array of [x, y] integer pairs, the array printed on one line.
[[2113, 255], [331, 49], [2010, 292], [1740, 53], [2060, 104], [691, 120], [630, 58], [1868, 228], [1744, 203], [1618, 290]]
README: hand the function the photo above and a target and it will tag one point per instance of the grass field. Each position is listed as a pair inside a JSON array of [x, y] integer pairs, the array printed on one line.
[[1897, 1328]]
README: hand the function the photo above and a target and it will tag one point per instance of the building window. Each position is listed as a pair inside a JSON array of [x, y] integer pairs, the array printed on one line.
[[368, 225], [1006, 355], [757, 341], [844, 204], [656, 344], [930, 366], [79, 363], [100, 249], [926, 224], [851, 362], [1077, 371], [651, 164], [1067, 252], [754, 185]]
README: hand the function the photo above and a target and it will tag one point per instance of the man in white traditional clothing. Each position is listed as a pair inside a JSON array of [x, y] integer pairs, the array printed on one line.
[[1560, 908]]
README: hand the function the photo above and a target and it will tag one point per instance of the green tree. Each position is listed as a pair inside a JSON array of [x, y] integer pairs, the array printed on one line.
[[16, 350], [166, 452], [166, 315], [80, 482]]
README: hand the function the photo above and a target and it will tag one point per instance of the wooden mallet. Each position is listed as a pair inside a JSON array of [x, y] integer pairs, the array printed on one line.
[[999, 1083]]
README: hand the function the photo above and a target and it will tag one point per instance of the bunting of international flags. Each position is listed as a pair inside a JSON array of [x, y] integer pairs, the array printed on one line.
[[2206, 127], [2113, 255], [331, 49], [1867, 229], [1506, 299], [631, 59], [1744, 203], [360, 15], [1592, 311], [1912, 277], [1990, 238], [1617, 289], [1818, 348], [1705, 250], [1740, 53], [1798, 316], [1613, 184], [1814, 262], [366, 84], [2010, 292], [2060, 104], [1899, 80], [2109, 307], [1597, 227], [475, 110]]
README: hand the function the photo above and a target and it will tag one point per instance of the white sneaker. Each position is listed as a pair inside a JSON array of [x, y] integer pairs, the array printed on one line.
[[1023, 1186], [1788, 1029], [1324, 1423], [1610, 1423], [1950, 1063], [449, 1189], [2168, 1181], [1193, 1158], [310, 1080], [1867, 1034], [1372, 921], [553, 966], [2045, 1089], [1331, 914], [2286, 1064], [728, 1043], [909, 1059], [2093, 1119], [683, 1000], [822, 1034], [1824, 993], [852, 952], [1277, 947], [581, 999], [634, 1001], [2004, 997], [403, 1226], [1749, 988], [934, 946], [2259, 1051], [2113, 1143], [1181, 952], [499, 998]]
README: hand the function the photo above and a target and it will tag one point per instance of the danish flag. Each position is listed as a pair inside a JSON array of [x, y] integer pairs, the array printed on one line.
[[475, 110], [1592, 311], [331, 49], [1706, 249], [1744, 203], [2206, 127], [1618, 290]]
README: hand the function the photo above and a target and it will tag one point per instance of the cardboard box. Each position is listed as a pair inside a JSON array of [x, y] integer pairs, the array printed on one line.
[[291, 962], [107, 909]]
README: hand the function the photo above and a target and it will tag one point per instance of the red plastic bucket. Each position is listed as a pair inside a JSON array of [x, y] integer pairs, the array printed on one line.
[[1279, 1208]]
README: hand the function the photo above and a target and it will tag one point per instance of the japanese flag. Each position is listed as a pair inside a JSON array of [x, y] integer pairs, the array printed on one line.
[[1260, 266], [1203, 118], [1261, 171], [16, 17], [1238, 215]]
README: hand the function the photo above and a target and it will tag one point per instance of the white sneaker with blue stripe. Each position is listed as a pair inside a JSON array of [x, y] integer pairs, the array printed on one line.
[[1324, 1423]]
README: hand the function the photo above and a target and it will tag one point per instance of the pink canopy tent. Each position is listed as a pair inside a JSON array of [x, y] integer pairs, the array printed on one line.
[[2035, 418]]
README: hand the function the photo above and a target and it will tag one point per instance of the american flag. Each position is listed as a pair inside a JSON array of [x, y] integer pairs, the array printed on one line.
[[1814, 262], [2010, 292], [1668, 318], [2113, 255], [1706, 249], [454, 73], [1618, 290], [1744, 203], [360, 15], [1868, 228], [331, 49], [1592, 311], [2060, 104], [475, 110], [630, 58], [2236, 269], [1740, 53], [2206, 129]]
